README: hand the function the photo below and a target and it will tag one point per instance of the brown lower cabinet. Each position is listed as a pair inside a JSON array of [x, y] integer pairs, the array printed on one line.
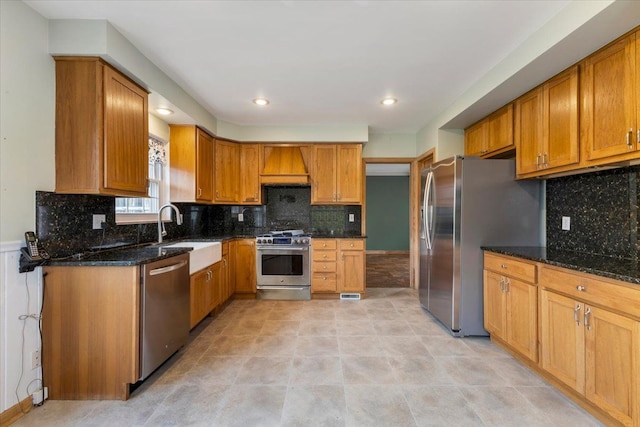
[[90, 338], [210, 287], [337, 266], [588, 336], [245, 267]]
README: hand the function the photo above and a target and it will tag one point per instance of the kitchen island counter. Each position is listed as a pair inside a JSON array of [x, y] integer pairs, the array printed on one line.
[[623, 269]]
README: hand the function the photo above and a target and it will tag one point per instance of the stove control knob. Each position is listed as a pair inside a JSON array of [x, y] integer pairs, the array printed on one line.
[[305, 241], [297, 241], [258, 240], [268, 240]]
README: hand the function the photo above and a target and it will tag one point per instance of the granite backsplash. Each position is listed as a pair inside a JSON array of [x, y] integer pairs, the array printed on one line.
[[64, 221], [603, 207]]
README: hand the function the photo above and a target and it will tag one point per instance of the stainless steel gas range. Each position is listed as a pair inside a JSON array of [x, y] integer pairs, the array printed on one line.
[[283, 265]]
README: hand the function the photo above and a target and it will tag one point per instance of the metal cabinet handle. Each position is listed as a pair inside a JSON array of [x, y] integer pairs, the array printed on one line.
[[324, 256], [217, 194], [351, 245], [502, 284], [544, 160], [324, 278], [503, 266], [538, 161], [199, 192], [587, 315], [576, 314], [638, 136], [580, 288], [324, 267], [508, 285], [629, 135]]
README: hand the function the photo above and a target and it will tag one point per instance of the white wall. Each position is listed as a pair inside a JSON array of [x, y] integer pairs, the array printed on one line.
[[27, 164], [390, 145], [356, 133]]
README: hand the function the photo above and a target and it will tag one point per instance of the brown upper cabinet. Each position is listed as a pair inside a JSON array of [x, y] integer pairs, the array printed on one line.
[[102, 129], [191, 161], [546, 126], [336, 174], [249, 193], [492, 135], [226, 171], [609, 125]]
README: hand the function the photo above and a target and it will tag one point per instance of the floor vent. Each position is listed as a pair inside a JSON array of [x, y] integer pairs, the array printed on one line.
[[349, 296]]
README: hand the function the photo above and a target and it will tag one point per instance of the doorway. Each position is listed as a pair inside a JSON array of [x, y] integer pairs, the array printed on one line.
[[388, 220], [393, 166]]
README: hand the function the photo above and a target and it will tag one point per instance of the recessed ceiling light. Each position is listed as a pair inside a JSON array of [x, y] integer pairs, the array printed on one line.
[[164, 111], [388, 101], [261, 101]]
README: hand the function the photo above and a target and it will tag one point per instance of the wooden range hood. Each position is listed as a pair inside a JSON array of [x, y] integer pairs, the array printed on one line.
[[285, 165]]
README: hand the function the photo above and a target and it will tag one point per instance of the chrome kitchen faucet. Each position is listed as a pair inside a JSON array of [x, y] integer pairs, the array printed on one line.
[[161, 230]]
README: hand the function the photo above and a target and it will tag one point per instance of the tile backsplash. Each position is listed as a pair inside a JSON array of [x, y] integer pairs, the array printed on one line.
[[64, 221], [603, 207]]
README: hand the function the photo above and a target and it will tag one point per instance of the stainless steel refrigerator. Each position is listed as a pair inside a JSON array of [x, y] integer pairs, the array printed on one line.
[[468, 202]]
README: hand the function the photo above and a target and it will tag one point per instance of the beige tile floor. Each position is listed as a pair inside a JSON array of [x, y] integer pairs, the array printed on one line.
[[376, 362]]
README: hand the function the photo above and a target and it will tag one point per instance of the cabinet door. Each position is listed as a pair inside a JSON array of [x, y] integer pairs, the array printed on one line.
[[204, 166], [561, 120], [475, 139], [245, 266], [612, 363], [199, 295], [522, 318], [494, 304], [249, 174], [349, 174], [351, 271], [216, 286], [528, 132], [231, 265], [500, 129], [226, 171], [126, 130], [562, 339], [323, 189], [608, 117]]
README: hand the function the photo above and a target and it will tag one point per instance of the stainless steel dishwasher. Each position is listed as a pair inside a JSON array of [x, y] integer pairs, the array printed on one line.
[[164, 311]]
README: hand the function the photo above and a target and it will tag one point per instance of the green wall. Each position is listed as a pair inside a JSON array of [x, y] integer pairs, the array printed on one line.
[[388, 213]]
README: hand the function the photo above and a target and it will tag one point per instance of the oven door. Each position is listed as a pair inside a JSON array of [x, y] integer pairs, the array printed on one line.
[[282, 266]]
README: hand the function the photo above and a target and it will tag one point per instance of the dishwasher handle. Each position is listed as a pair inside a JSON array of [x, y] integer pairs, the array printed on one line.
[[167, 269]]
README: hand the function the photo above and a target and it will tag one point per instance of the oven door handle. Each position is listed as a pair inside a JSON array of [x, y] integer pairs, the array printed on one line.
[[288, 288]]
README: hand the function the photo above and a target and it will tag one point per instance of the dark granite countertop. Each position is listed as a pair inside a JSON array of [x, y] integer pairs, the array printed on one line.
[[623, 269], [338, 236], [120, 257]]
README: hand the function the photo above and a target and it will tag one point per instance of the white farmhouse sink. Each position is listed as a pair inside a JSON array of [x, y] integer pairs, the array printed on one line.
[[202, 255]]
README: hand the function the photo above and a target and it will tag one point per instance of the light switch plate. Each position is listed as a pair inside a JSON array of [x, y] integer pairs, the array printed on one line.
[[240, 217], [566, 223], [352, 217], [98, 219]]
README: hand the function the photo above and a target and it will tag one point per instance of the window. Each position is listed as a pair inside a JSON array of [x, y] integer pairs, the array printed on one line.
[[145, 209]]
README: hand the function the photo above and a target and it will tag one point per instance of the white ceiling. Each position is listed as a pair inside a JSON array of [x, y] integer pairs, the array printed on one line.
[[320, 62]]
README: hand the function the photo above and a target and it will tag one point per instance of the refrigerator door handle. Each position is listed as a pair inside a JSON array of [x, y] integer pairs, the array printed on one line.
[[428, 208]]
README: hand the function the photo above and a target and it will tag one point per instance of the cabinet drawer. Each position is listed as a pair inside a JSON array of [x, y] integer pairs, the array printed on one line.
[[324, 256], [346, 245], [510, 267], [321, 282], [323, 244], [323, 267], [590, 289]]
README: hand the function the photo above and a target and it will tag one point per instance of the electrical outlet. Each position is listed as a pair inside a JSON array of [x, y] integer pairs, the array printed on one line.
[[35, 359], [566, 223], [98, 219], [352, 217], [240, 217]]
